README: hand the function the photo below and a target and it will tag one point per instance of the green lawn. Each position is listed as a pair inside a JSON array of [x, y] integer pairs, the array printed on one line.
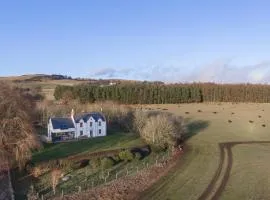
[[111, 141]]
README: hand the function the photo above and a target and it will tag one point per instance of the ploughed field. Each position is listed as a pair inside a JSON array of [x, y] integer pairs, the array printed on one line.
[[226, 153]]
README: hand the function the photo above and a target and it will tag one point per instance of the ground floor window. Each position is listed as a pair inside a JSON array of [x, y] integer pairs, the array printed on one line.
[[99, 131], [81, 132], [91, 133]]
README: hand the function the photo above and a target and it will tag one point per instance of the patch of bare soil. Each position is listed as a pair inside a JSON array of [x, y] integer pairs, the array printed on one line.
[[129, 187]]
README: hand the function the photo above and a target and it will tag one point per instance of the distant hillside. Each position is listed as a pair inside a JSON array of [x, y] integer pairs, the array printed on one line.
[[45, 84]]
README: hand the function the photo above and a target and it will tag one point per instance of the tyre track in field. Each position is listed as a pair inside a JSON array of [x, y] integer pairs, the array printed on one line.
[[223, 147]]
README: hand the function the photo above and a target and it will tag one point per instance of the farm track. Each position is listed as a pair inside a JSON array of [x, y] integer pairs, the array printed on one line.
[[224, 180]]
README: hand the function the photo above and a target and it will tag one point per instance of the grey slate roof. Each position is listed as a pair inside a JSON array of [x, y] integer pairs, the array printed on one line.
[[85, 117], [62, 123]]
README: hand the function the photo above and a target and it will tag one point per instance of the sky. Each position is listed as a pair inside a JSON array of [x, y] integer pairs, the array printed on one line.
[[171, 41]]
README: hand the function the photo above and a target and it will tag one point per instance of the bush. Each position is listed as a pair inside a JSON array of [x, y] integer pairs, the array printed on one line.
[[163, 130], [116, 159], [95, 163], [138, 156], [106, 163], [126, 155]]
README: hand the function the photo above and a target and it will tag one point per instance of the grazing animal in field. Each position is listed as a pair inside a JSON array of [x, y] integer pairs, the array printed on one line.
[[263, 125], [230, 121], [259, 116], [232, 113], [215, 112], [187, 112], [199, 111], [250, 121]]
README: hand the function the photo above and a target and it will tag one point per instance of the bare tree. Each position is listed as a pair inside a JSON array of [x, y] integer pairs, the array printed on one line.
[[162, 130], [17, 136]]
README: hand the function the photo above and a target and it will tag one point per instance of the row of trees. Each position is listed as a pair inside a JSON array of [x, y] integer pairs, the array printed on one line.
[[140, 93]]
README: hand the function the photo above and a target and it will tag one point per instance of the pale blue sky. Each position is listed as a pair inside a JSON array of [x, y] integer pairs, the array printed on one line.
[[166, 40]]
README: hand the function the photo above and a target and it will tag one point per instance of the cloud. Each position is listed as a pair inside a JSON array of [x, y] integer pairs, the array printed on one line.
[[221, 71]]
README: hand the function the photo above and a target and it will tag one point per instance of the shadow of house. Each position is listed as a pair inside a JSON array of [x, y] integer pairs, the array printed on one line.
[[194, 127]]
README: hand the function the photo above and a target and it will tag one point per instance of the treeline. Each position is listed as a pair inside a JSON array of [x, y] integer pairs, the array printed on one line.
[[140, 93]]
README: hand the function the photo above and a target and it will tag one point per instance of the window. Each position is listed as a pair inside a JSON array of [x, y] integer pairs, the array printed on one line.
[[91, 124], [91, 132], [99, 131], [99, 123], [81, 132], [81, 124]]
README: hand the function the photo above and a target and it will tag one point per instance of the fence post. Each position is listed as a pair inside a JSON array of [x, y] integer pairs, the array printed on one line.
[[62, 194], [116, 175], [137, 168]]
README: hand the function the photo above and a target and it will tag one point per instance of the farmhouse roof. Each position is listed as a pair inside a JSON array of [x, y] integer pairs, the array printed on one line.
[[62, 123], [85, 117]]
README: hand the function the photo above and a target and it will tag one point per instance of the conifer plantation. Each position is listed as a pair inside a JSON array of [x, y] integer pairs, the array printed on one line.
[[151, 93]]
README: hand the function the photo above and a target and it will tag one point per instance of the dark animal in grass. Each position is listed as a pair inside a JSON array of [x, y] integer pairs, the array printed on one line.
[[250, 121], [262, 110], [232, 113], [199, 111], [230, 121], [187, 112], [263, 125], [260, 116], [215, 112], [164, 109]]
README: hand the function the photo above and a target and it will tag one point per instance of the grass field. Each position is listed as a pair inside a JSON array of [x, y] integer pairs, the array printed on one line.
[[111, 141], [223, 159]]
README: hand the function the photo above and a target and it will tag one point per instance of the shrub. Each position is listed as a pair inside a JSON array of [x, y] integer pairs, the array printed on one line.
[[163, 130], [138, 156], [106, 163], [116, 159], [95, 163], [139, 120], [126, 155]]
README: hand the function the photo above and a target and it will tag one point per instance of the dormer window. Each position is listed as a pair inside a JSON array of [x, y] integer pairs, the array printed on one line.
[[99, 123], [81, 124]]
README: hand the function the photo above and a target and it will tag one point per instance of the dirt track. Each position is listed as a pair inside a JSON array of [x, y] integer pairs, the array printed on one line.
[[224, 147]]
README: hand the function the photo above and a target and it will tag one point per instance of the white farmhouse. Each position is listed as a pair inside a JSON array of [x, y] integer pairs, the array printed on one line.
[[84, 125]]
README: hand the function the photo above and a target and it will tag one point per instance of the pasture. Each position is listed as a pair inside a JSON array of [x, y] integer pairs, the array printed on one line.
[[226, 153]]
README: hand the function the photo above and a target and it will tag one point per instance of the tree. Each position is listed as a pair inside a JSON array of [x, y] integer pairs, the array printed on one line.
[[162, 130], [17, 137]]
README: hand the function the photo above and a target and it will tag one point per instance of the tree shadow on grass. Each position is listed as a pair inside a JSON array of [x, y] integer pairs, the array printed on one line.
[[194, 127]]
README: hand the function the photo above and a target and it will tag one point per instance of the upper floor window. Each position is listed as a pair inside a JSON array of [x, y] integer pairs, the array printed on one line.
[[91, 124], [81, 124], [99, 123]]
